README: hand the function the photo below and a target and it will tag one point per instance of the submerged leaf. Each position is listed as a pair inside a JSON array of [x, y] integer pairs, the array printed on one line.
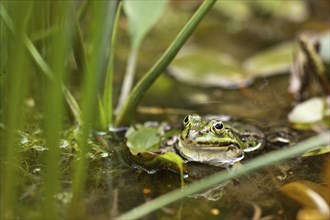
[[208, 68], [142, 139]]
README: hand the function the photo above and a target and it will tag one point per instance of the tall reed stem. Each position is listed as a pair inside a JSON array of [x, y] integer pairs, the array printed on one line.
[[15, 91], [126, 112]]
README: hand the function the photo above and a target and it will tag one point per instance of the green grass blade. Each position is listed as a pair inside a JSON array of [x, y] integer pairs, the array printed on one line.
[[78, 49], [105, 107], [53, 101], [39, 60], [101, 115], [41, 35], [129, 77], [255, 164], [129, 107], [73, 104], [16, 84], [108, 86], [101, 29], [83, 8]]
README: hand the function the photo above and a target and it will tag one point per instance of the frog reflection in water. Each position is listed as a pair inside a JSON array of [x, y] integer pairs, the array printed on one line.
[[215, 142]]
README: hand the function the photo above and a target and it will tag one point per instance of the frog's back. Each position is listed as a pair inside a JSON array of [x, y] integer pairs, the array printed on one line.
[[252, 137]]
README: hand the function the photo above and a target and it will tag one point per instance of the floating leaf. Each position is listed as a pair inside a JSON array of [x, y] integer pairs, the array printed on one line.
[[172, 158], [170, 161], [208, 68], [142, 15], [311, 111], [272, 61], [144, 143], [142, 139], [317, 151], [154, 161]]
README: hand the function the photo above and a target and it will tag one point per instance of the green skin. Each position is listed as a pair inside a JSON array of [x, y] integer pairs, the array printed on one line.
[[216, 143]]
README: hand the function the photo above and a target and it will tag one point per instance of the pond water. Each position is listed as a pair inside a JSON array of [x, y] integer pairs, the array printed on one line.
[[114, 187]]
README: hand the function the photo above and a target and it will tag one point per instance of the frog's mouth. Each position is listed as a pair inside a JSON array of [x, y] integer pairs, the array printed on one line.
[[193, 139], [218, 155], [210, 145], [213, 144]]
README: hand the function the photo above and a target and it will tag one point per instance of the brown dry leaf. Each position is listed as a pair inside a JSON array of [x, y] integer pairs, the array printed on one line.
[[311, 196]]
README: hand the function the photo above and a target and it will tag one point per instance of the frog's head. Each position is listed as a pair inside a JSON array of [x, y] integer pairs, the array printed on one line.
[[209, 140], [208, 133]]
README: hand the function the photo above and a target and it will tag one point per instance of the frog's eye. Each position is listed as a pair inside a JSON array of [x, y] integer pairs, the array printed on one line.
[[186, 120], [218, 126]]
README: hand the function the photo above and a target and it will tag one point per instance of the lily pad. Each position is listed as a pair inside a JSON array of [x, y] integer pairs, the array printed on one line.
[[208, 68], [272, 61], [142, 139], [144, 144], [311, 111]]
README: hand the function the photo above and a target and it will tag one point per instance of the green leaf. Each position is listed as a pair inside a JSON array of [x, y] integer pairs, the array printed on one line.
[[102, 121], [174, 158], [173, 162], [143, 143], [271, 61], [317, 151], [142, 16], [154, 161], [142, 139]]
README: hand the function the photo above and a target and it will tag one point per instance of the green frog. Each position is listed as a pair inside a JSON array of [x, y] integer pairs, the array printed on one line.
[[212, 141]]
